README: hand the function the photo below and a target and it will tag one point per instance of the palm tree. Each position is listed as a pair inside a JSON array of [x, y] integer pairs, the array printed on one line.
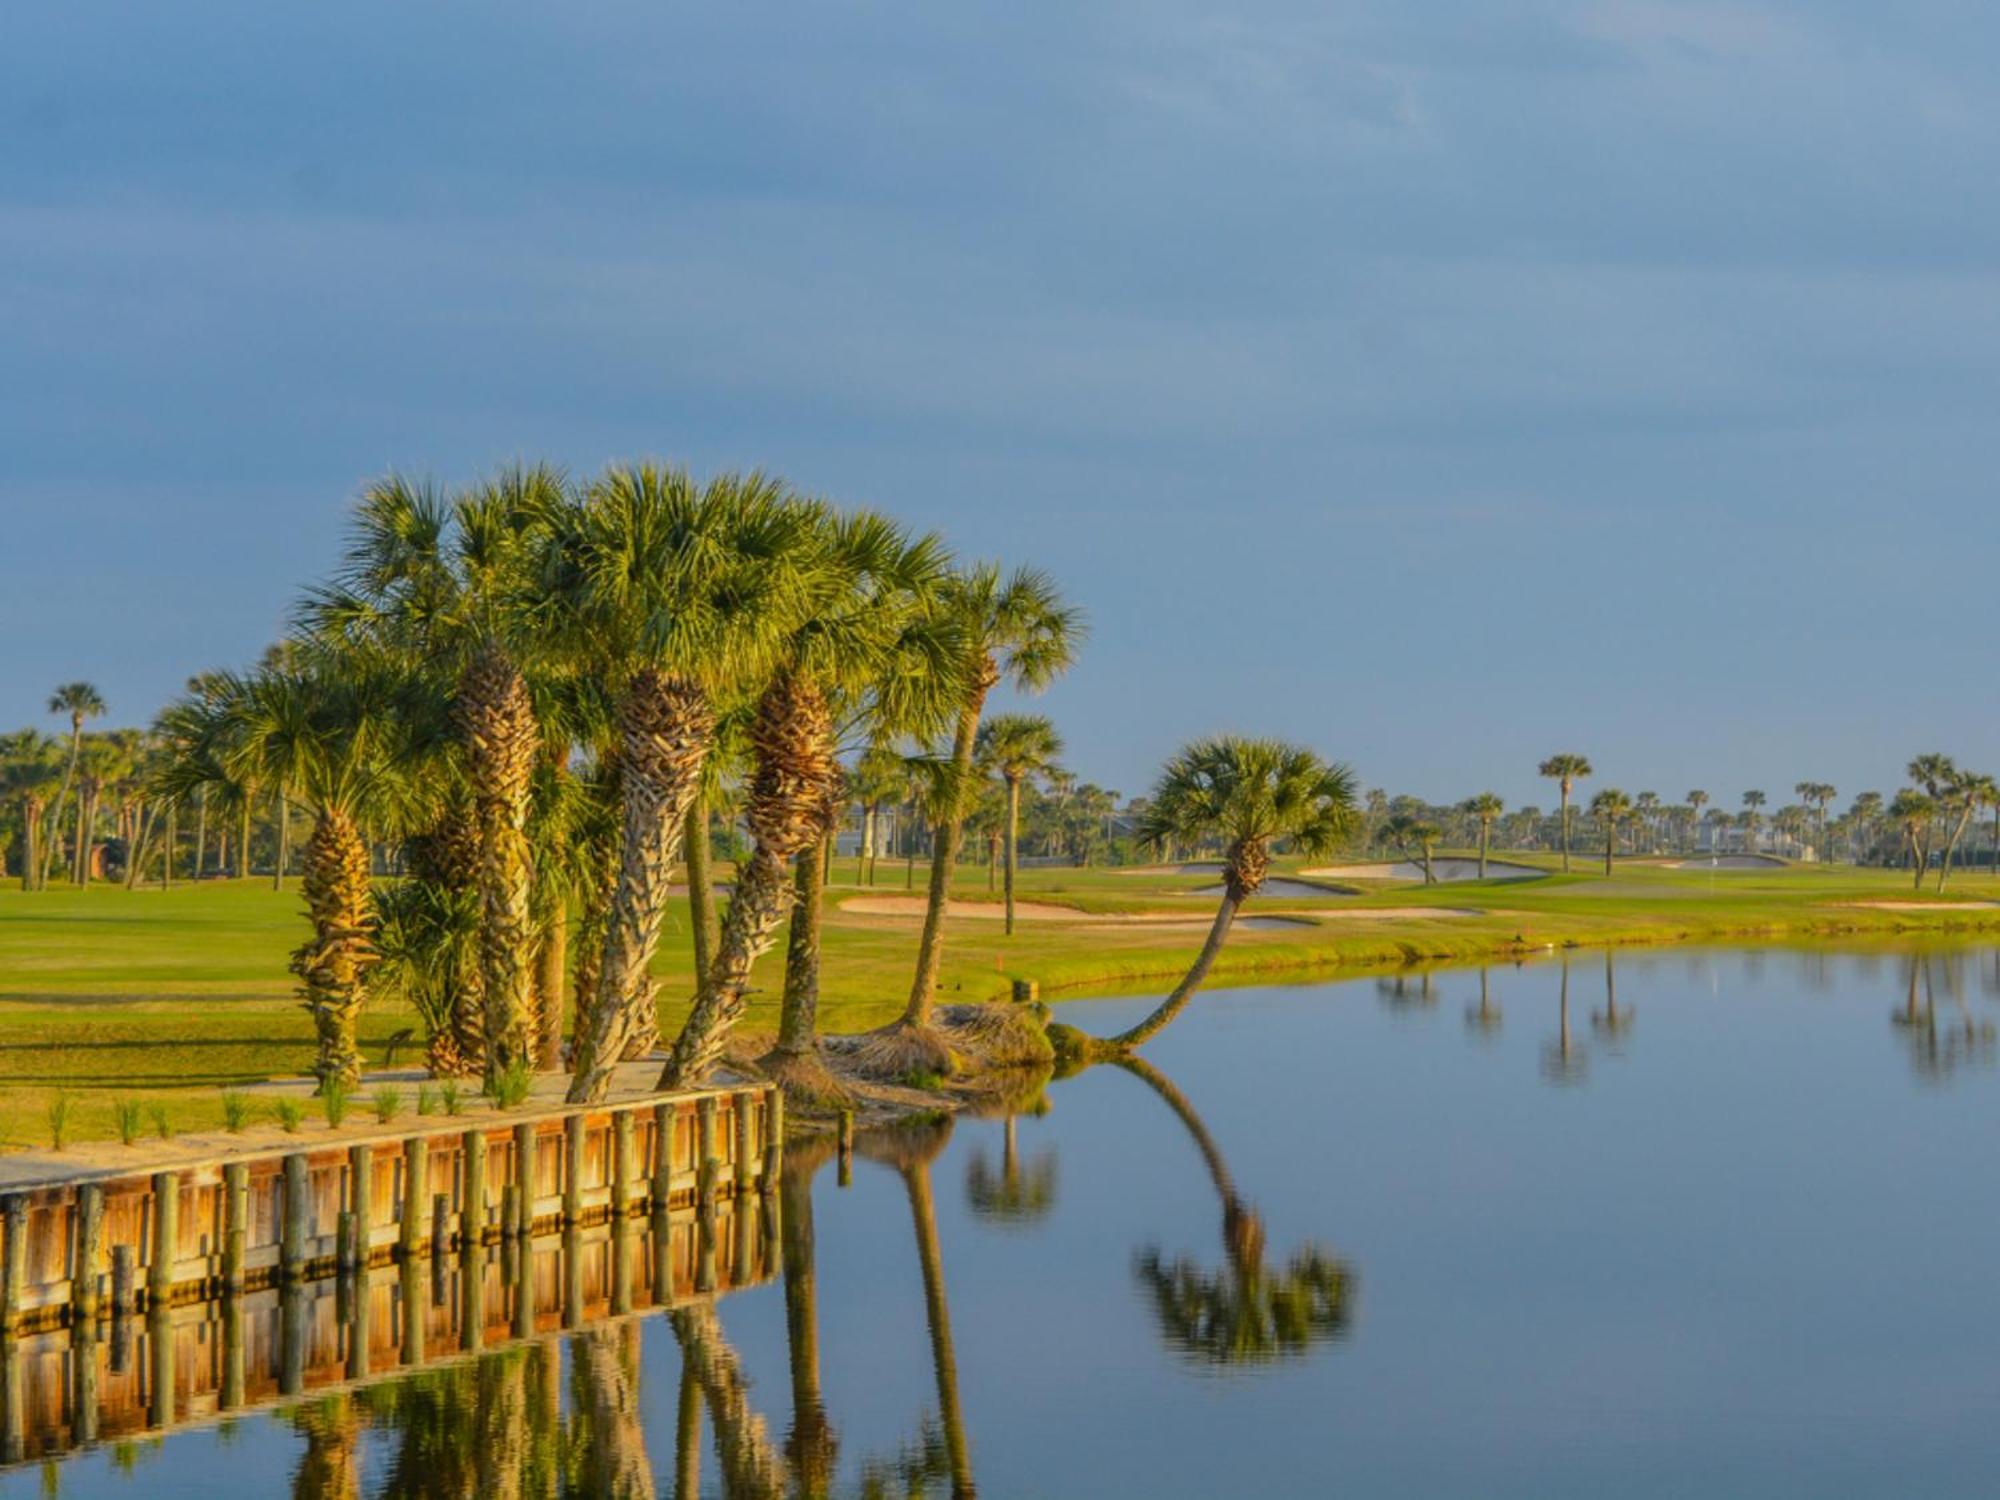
[[80, 701], [864, 648], [675, 593], [1611, 808], [1913, 813], [1016, 1195], [752, 1467], [1565, 770], [1696, 800], [1414, 838], [1016, 747], [876, 780], [1013, 628], [1562, 1061], [1863, 813], [811, 1444], [1250, 794], [1752, 819], [1965, 794], [1818, 794]]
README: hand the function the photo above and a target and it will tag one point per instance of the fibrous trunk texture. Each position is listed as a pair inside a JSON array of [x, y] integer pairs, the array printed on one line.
[[667, 725], [333, 967], [792, 739], [944, 854], [497, 720]]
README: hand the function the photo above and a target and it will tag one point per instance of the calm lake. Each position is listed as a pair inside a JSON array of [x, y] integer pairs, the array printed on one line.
[[1715, 1223]]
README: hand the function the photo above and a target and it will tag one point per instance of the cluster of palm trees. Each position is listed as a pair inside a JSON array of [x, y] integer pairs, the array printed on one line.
[[535, 689]]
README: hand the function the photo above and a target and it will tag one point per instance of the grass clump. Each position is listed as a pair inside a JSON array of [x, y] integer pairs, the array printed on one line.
[[130, 1117], [513, 1084], [60, 1108], [290, 1114], [334, 1096], [387, 1102], [163, 1122], [451, 1097], [235, 1110], [427, 1101]]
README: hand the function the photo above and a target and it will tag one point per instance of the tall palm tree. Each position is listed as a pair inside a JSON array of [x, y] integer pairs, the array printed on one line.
[[1485, 807], [1913, 813], [27, 776], [1414, 838], [1696, 800], [1751, 818], [678, 594], [1013, 628], [860, 648], [1250, 794], [1565, 770], [1965, 794], [1818, 794], [79, 701], [1016, 747], [1611, 808]]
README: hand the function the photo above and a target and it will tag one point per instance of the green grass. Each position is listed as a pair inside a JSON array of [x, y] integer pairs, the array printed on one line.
[[168, 998]]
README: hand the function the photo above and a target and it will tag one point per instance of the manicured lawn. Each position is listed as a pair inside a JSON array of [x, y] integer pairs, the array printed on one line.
[[107, 994]]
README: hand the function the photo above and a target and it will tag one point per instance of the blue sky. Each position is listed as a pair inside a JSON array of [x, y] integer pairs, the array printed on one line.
[[1441, 385]]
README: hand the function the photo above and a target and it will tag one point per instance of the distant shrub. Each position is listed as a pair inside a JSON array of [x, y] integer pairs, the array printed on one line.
[[235, 1110], [289, 1113], [60, 1108], [130, 1116]]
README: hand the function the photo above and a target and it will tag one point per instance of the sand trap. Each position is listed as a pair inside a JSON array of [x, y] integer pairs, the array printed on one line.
[[1732, 862], [1453, 868], [1393, 913], [1042, 911], [1198, 867], [1926, 905], [1296, 890]]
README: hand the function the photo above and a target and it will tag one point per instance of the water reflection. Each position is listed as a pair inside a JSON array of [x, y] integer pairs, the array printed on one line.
[[1940, 1045]]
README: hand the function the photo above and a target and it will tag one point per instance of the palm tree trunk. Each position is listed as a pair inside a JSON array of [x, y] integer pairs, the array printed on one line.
[[1485, 829], [284, 839], [687, 1437], [703, 920], [1013, 842], [333, 967], [1565, 827], [135, 857], [62, 796], [798, 1018], [200, 831], [864, 861], [1183, 992], [755, 909], [551, 972], [944, 854], [503, 744], [243, 836], [173, 845], [31, 825], [1610, 843], [1951, 842], [937, 1316], [666, 730]]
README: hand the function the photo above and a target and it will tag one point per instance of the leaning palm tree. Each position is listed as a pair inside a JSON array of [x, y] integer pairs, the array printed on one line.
[[678, 594], [79, 701], [1964, 794], [1251, 794], [1565, 770], [1017, 629], [1485, 808], [1016, 747], [864, 586], [1913, 813], [1414, 838], [1611, 808]]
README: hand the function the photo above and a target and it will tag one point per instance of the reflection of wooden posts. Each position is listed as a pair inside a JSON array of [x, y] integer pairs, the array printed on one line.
[[412, 1296], [744, 1207], [704, 1134], [89, 1251], [846, 1148], [572, 1200], [663, 1256], [621, 1266], [572, 1264], [232, 1353], [121, 1321], [83, 1365], [360, 1305], [471, 1297], [440, 1221], [621, 1163], [166, 1236], [292, 1242], [160, 1344], [291, 1338], [343, 1241], [510, 1213], [14, 1268], [472, 1202], [13, 1404], [774, 1139], [235, 1223], [663, 1155], [524, 1179], [416, 1177], [704, 1218], [361, 1199], [517, 1266]]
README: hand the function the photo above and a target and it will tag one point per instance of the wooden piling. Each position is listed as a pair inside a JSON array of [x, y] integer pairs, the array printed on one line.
[[89, 1253], [472, 1202], [14, 1269], [846, 1148], [124, 1279], [416, 1176], [621, 1163], [745, 1150], [705, 1141], [298, 1204], [774, 1139], [235, 1223], [573, 1131], [166, 1235], [524, 1177], [663, 1156], [361, 1198], [343, 1240]]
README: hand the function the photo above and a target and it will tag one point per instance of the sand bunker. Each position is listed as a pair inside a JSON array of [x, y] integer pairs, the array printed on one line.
[[1294, 890], [1926, 905], [1454, 867], [1393, 913], [1198, 867], [1042, 911], [1731, 862]]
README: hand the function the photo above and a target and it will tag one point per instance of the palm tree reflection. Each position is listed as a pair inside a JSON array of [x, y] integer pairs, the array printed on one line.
[[1562, 1061], [1611, 1022], [1939, 1048], [1245, 1312], [1018, 1194], [1484, 1018]]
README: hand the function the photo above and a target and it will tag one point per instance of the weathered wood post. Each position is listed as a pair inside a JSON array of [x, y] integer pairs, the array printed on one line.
[[298, 1204], [774, 1139], [14, 1268], [846, 1148], [416, 1177], [621, 1163], [291, 1338], [440, 1222], [235, 1223], [525, 1163], [412, 1296], [573, 1133], [510, 1213], [745, 1149], [83, 1363], [472, 1204], [160, 1343], [231, 1395], [706, 1145], [361, 1198], [664, 1116], [83, 1291], [166, 1237], [343, 1241], [124, 1279]]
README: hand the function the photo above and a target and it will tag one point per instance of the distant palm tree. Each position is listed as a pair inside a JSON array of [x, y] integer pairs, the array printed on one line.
[[1913, 813], [876, 779], [1696, 800], [1863, 813], [80, 701], [1250, 794], [1818, 794], [1611, 808], [1485, 807], [1965, 794], [1566, 770], [1414, 838], [1016, 747]]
